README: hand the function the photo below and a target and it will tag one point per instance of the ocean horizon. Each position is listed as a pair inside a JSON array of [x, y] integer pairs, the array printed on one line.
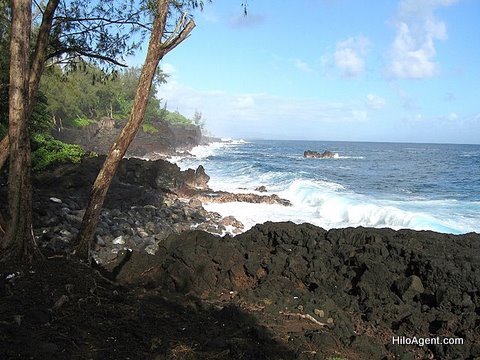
[[420, 186], [253, 139]]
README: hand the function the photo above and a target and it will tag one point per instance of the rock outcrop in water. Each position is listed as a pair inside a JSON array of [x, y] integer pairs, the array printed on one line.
[[314, 154]]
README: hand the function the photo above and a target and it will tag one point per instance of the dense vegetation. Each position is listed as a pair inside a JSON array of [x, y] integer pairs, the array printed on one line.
[[80, 96]]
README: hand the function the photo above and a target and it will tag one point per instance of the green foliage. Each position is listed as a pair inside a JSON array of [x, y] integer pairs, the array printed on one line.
[[40, 121], [149, 128], [86, 92], [80, 122], [175, 118], [48, 151], [102, 32]]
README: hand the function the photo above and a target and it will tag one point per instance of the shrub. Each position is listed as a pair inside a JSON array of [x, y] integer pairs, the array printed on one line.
[[48, 151], [80, 122], [175, 118], [149, 129]]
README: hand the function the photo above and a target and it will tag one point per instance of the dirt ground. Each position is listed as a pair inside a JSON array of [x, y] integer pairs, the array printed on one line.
[[62, 309]]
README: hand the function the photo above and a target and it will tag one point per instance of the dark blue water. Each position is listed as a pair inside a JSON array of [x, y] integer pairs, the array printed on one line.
[[418, 186]]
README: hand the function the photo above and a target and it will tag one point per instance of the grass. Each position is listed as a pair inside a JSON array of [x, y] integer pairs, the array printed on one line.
[[80, 122], [149, 129]]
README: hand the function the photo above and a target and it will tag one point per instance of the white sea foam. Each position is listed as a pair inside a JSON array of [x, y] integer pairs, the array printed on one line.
[[321, 202], [328, 205], [349, 157], [198, 155], [205, 151]]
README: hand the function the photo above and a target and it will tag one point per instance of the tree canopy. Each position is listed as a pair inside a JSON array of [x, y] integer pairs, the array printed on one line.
[[77, 97]]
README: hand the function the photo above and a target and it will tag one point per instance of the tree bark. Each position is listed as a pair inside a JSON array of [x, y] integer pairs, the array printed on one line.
[[36, 69], [19, 240], [4, 145], [156, 51], [25, 78], [38, 60]]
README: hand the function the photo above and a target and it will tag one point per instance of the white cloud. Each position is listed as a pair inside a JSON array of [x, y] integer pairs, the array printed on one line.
[[414, 118], [168, 68], [350, 55], [302, 65], [408, 8], [264, 115], [375, 102], [244, 102], [359, 115], [449, 117], [452, 116], [412, 53]]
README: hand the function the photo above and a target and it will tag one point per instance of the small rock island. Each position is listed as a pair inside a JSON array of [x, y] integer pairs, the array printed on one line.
[[316, 155]]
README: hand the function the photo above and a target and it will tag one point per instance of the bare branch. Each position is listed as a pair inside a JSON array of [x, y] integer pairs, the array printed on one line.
[[81, 52], [184, 33]]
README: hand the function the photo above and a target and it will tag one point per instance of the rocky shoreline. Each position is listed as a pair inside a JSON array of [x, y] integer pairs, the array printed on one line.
[[354, 288], [147, 202], [337, 294]]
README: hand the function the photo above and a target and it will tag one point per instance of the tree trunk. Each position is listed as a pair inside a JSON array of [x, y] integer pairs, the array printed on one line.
[[24, 82], [36, 69], [156, 51], [19, 239], [4, 145]]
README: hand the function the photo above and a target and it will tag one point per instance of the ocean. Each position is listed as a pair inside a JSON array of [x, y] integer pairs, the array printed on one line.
[[396, 185]]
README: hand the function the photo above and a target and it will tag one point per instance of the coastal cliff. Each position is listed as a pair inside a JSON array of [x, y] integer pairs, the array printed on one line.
[[161, 138]]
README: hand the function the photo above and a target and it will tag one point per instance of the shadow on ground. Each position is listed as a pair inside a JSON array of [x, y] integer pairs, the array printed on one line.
[[62, 309]]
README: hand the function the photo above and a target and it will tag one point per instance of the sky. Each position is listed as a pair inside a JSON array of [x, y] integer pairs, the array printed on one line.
[[340, 70]]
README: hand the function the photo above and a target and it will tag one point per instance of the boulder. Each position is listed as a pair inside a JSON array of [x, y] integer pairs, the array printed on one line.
[[261, 189], [408, 287], [315, 154], [197, 179]]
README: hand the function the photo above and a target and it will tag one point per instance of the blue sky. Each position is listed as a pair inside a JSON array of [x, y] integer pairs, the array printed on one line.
[[382, 70]]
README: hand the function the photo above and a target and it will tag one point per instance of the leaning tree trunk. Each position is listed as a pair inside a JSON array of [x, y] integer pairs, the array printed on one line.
[[156, 50], [19, 239]]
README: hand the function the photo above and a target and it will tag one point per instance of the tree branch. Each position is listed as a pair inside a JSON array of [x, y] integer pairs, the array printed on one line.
[[86, 54], [172, 43], [38, 62]]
